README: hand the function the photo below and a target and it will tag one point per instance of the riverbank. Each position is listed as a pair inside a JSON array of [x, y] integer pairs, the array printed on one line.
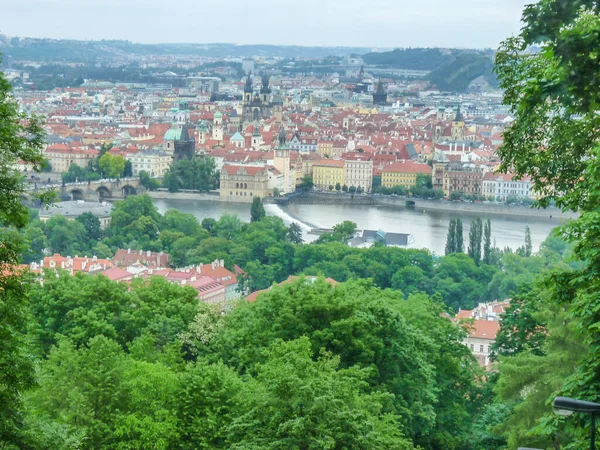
[[321, 198]]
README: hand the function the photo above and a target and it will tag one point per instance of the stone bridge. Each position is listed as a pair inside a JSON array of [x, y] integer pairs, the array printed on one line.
[[94, 190]]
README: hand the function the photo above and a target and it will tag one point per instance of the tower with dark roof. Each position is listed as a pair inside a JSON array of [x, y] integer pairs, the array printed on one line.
[[379, 97], [458, 126], [185, 146], [257, 105]]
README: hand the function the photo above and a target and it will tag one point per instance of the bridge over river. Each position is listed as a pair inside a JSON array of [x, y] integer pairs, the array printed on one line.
[[93, 190]]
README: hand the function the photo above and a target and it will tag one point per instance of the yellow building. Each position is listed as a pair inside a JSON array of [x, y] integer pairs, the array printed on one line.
[[328, 172], [325, 147], [241, 183], [403, 173], [61, 156]]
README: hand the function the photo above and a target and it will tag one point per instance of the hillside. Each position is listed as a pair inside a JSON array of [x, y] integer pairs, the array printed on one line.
[[455, 75], [451, 69], [52, 50], [410, 58]]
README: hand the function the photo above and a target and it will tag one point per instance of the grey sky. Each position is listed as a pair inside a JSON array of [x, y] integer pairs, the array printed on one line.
[[375, 23]]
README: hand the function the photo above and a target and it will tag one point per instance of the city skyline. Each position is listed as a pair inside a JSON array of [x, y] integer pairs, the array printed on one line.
[[399, 23]]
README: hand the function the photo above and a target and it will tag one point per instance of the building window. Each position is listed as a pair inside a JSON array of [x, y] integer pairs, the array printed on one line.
[[481, 348], [472, 347]]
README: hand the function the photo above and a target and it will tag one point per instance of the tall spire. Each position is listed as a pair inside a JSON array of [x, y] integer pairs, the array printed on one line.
[[282, 136], [380, 88], [459, 117], [265, 89], [248, 87]]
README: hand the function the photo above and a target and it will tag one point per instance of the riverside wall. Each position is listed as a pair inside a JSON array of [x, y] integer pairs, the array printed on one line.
[[450, 206], [323, 198]]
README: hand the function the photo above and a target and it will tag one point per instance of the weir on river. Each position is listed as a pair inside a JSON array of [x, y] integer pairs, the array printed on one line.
[[429, 227]]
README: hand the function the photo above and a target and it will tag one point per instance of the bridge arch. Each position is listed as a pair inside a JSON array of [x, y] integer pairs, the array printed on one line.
[[103, 192], [76, 194], [128, 190]]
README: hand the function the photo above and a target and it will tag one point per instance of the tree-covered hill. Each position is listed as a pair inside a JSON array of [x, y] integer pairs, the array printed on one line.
[[52, 50], [456, 74], [410, 58], [451, 69]]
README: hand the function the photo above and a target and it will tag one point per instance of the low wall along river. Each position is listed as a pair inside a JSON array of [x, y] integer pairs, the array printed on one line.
[[427, 221]]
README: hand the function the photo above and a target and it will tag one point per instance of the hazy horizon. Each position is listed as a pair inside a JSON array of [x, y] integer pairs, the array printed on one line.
[[323, 23]]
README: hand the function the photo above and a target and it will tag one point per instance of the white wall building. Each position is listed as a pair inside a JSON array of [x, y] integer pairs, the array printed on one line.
[[501, 186]]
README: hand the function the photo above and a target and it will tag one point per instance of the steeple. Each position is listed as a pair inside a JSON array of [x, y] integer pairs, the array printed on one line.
[[380, 88], [282, 137], [248, 87], [184, 136], [265, 89], [459, 117]]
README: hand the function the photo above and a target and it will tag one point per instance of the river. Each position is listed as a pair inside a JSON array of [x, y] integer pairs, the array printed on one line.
[[428, 227]]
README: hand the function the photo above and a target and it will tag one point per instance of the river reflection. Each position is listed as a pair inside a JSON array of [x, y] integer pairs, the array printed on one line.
[[429, 227]]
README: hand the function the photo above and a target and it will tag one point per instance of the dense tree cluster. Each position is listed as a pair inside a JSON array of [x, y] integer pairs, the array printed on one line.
[[198, 174]]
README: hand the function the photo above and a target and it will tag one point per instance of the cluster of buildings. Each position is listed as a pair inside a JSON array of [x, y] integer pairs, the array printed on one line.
[[274, 131], [214, 282]]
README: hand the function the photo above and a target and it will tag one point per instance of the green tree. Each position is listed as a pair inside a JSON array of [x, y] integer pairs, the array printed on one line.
[[197, 174], [460, 245], [35, 244], [295, 233], [324, 407], [451, 237], [112, 166], [149, 183], [307, 183], [553, 98], [352, 189], [341, 320], [338, 187], [92, 226], [475, 237], [207, 402], [528, 246], [487, 242], [209, 224], [128, 169], [257, 210], [345, 188]]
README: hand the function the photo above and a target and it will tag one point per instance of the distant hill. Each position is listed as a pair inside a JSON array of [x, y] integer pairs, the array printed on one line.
[[451, 69], [48, 50], [456, 75], [410, 58]]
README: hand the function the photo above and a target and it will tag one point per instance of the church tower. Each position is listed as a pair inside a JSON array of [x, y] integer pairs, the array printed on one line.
[[256, 138], [185, 146], [379, 97], [248, 89], [265, 90], [217, 132], [281, 161], [458, 126], [278, 107], [202, 132]]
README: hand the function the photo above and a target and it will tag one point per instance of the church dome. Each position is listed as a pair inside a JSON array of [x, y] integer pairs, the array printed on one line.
[[172, 134], [218, 115]]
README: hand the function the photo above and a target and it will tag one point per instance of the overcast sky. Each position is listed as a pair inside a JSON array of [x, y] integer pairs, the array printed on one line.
[[368, 23]]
